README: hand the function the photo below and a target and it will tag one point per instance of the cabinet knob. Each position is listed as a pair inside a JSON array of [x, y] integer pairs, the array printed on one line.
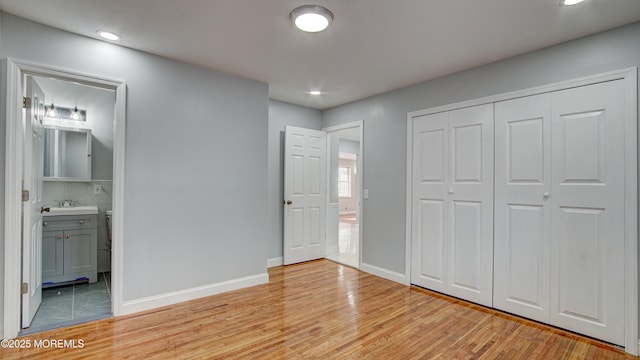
[[450, 191], [546, 195], [59, 237], [67, 236], [81, 222], [44, 223]]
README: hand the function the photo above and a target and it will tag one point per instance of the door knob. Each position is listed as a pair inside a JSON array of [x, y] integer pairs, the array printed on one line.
[[289, 202], [546, 195], [450, 191], [44, 209]]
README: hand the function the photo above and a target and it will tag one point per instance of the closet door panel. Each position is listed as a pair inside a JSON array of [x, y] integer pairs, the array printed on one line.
[[466, 245], [587, 266], [470, 199], [429, 204], [522, 207]]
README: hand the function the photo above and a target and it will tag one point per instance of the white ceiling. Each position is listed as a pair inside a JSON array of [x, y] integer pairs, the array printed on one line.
[[373, 46], [66, 94]]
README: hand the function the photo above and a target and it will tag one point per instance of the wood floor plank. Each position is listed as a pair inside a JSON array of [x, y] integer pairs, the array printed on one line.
[[320, 310]]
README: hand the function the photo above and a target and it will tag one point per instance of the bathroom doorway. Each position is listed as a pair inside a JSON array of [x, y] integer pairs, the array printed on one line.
[[89, 287], [78, 178], [344, 144]]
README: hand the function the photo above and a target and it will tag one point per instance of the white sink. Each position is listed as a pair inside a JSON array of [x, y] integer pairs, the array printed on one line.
[[75, 210]]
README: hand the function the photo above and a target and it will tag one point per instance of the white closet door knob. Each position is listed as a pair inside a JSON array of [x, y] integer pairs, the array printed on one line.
[[546, 195], [450, 191]]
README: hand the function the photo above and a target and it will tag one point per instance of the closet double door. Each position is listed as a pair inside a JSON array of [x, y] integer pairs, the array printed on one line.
[[452, 203], [559, 209]]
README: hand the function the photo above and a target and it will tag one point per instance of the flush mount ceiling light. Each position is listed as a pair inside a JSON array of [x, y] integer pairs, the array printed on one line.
[[108, 35], [315, 92], [311, 18], [570, 2]]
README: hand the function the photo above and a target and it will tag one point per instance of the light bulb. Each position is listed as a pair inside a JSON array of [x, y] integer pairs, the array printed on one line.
[[52, 112], [75, 115]]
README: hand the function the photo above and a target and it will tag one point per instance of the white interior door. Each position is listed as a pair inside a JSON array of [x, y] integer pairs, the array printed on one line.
[[429, 262], [471, 204], [587, 247], [305, 194], [452, 224], [522, 206], [32, 216]]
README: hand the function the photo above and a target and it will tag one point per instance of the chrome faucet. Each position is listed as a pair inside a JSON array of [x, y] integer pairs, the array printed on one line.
[[68, 203]]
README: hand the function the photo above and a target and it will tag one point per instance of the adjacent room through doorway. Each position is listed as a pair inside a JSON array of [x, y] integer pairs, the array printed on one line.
[[343, 221]]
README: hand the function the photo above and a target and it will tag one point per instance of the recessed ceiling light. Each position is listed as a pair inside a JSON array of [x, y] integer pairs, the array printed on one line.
[[315, 92], [570, 2], [108, 35], [311, 18]]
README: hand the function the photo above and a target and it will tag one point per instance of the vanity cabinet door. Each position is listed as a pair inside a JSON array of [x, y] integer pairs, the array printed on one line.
[[80, 249], [52, 253]]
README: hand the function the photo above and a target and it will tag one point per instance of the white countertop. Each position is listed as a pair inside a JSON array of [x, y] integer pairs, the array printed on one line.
[[74, 210]]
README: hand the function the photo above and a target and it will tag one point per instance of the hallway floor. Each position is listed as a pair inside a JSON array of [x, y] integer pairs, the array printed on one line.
[[348, 242]]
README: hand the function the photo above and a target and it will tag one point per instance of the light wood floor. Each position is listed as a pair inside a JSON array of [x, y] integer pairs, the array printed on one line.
[[321, 310]]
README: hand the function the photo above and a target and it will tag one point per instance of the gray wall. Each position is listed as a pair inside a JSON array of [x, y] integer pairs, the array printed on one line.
[[349, 146], [385, 122], [194, 213], [280, 115]]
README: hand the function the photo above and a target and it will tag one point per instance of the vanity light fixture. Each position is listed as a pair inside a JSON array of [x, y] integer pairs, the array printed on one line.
[[311, 18], [63, 114], [570, 2], [107, 35]]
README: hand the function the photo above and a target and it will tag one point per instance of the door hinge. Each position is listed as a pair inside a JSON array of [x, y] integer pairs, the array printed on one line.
[[26, 102], [25, 195], [25, 288]]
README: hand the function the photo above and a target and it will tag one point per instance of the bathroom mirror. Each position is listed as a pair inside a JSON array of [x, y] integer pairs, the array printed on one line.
[[67, 154]]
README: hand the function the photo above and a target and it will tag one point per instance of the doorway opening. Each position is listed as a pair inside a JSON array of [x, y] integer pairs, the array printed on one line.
[[64, 177], [344, 161], [77, 177]]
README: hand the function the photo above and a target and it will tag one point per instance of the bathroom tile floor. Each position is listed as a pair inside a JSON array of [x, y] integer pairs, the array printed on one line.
[[73, 304]]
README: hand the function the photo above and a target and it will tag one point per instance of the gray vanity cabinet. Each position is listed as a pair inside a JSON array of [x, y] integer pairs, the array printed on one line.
[[69, 248]]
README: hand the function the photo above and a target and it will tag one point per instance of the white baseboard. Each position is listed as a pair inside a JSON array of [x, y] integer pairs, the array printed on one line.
[[152, 302], [384, 273], [276, 261]]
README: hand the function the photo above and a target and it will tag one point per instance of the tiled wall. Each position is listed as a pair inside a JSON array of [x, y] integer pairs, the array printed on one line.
[[56, 191]]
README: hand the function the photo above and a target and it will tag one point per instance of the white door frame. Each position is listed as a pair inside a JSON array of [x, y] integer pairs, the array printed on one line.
[[15, 70], [356, 124], [630, 77]]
